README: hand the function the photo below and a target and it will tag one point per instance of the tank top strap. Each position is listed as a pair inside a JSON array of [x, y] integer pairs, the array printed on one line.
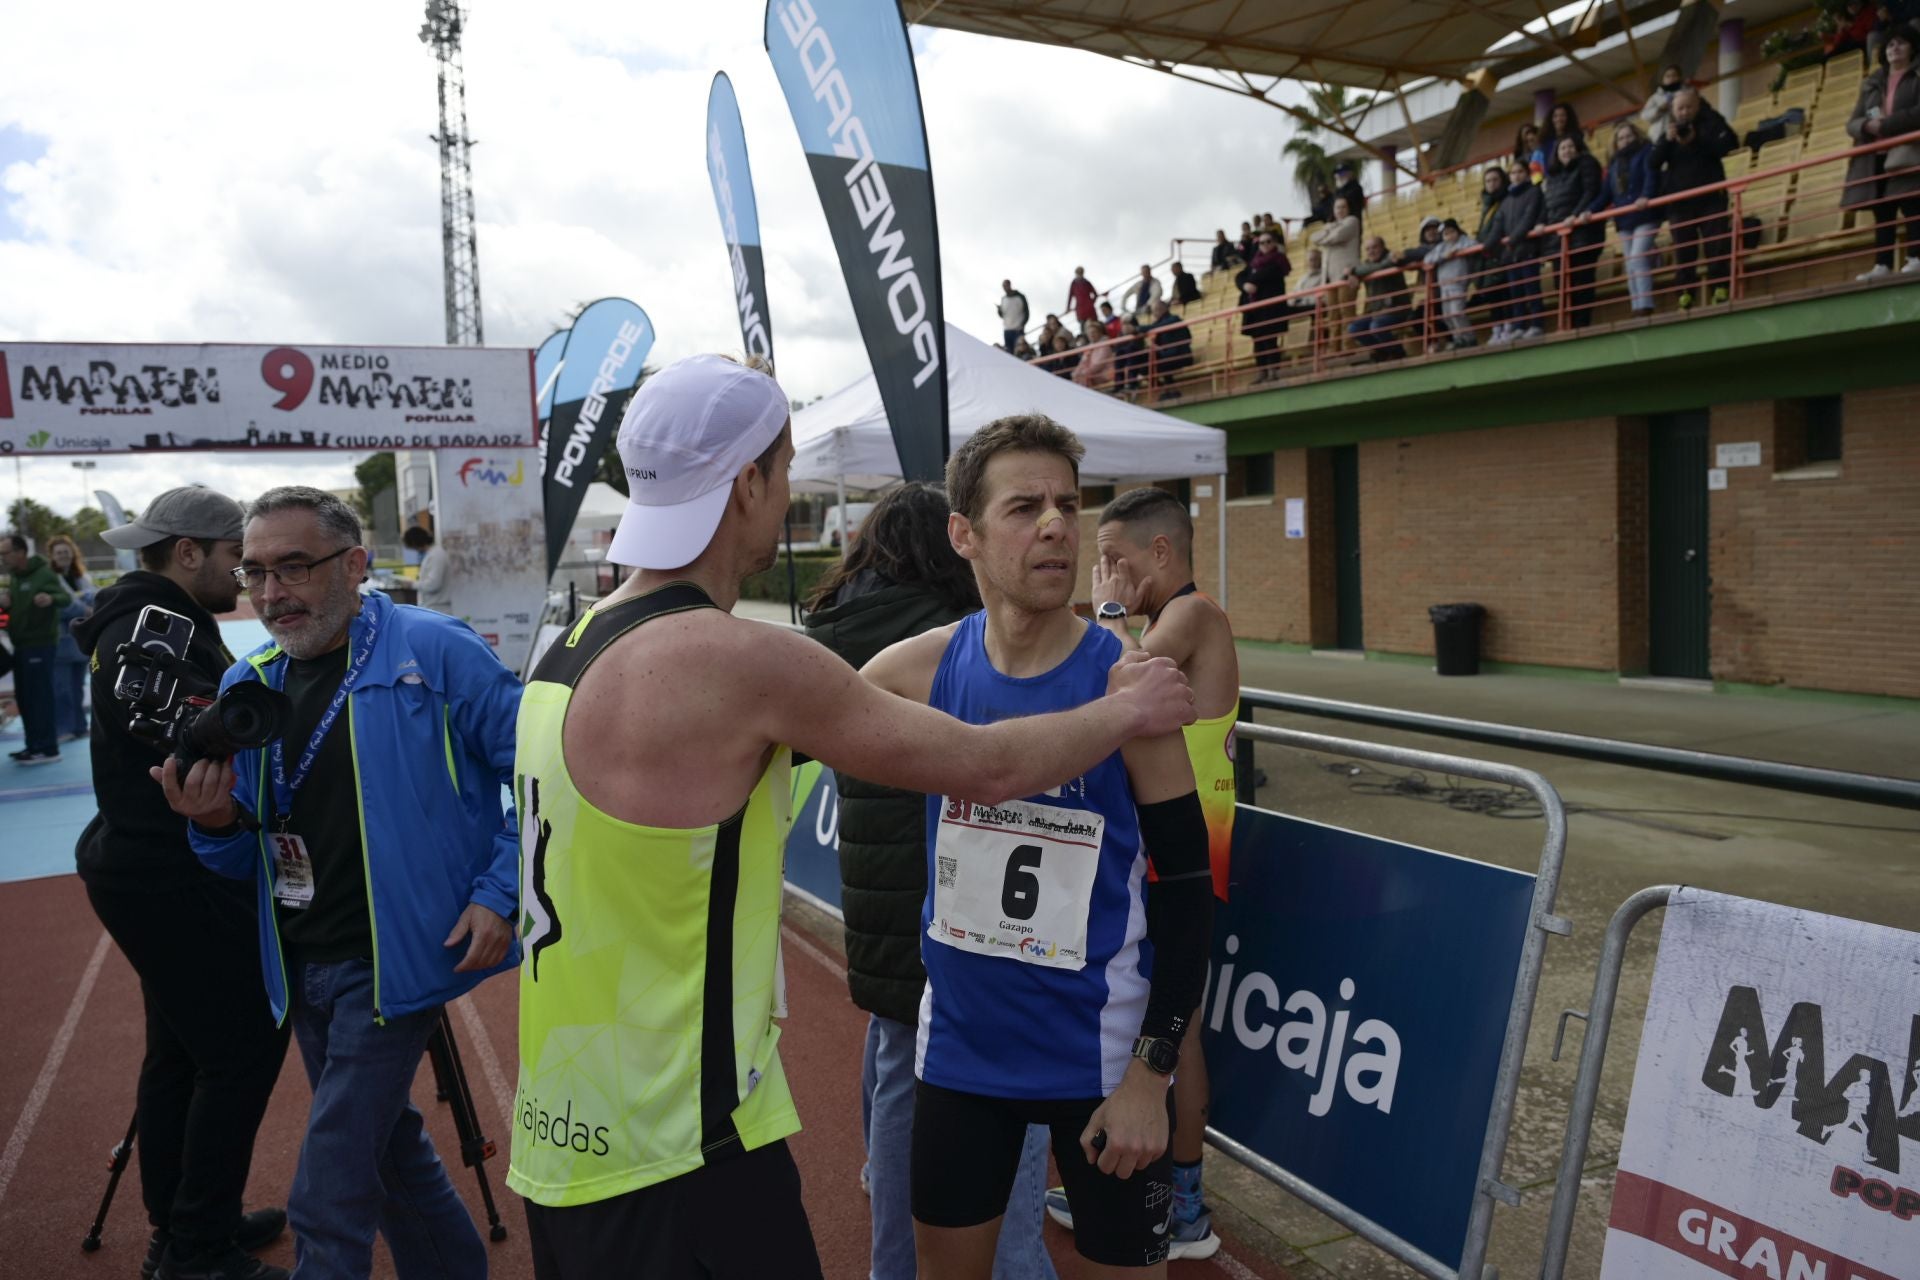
[[567, 659]]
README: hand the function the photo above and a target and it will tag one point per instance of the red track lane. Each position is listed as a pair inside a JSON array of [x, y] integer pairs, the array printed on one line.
[[60, 1172]]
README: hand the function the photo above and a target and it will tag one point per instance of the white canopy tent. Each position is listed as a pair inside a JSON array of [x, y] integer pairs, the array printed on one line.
[[843, 439]]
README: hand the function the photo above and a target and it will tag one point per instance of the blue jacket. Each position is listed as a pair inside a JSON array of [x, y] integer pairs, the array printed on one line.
[[1630, 178], [431, 720]]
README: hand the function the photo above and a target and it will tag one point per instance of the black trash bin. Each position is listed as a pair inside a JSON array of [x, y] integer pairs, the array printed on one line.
[[1456, 638]]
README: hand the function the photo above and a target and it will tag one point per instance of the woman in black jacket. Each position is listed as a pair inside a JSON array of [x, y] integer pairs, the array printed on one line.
[[1523, 210], [901, 577], [1489, 302], [1574, 186], [1266, 280]]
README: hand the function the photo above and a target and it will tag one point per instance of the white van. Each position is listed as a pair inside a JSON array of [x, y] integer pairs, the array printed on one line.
[[834, 529]]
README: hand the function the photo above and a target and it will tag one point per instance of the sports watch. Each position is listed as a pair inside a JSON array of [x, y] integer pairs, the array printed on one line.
[[1112, 611], [1161, 1056]]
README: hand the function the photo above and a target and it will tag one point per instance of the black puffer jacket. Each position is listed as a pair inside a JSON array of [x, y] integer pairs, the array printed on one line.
[[883, 832]]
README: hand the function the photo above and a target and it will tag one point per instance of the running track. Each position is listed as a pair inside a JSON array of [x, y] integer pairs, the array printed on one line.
[[70, 1045]]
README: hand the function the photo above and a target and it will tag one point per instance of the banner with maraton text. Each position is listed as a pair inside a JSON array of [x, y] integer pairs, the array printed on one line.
[[739, 216], [1774, 1124], [847, 70], [75, 397], [599, 368]]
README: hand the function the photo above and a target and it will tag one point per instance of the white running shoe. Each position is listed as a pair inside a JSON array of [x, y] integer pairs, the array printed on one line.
[[1880, 272], [1913, 266]]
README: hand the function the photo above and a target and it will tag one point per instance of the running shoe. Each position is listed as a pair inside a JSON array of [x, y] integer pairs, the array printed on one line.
[[1912, 267], [1194, 1239], [1879, 271], [1719, 296], [257, 1230], [37, 757], [1057, 1207]]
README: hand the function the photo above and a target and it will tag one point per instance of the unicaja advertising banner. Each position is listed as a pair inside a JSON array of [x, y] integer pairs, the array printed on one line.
[[487, 517], [847, 71], [1774, 1125], [599, 368], [73, 397], [739, 216]]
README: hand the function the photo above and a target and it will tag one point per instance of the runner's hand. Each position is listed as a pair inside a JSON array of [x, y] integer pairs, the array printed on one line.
[[1156, 686], [205, 795], [1112, 580], [491, 937], [1134, 1118]]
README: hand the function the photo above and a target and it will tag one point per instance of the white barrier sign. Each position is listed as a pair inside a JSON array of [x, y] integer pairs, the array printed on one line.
[[488, 518], [112, 398], [1774, 1127]]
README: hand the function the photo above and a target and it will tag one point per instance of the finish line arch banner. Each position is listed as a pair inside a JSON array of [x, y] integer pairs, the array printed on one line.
[[1774, 1124], [149, 397]]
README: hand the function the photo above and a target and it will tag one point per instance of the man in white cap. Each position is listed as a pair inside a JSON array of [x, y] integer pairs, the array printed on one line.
[[652, 1103]]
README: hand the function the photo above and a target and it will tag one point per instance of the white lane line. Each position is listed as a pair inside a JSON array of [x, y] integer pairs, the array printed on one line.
[[489, 1061], [831, 965], [56, 1054], [1233, 1266]]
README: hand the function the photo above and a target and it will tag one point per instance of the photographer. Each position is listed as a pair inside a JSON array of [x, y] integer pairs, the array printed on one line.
[[385, 866], [1689, 157], [213, 1054]]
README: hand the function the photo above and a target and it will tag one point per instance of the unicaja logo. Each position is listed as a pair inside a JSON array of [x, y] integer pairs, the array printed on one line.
[[1365, 1062], [38, 440]]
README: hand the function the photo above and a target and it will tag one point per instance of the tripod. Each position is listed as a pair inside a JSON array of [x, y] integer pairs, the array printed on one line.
[[450, 1086]]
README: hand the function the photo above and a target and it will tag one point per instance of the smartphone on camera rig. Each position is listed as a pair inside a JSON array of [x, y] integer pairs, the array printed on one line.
[[174, 707]]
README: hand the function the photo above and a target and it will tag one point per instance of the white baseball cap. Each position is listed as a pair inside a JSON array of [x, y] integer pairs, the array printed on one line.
[[687, 433]]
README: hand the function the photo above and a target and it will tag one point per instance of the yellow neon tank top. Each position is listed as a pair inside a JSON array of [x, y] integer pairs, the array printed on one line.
[[647, 1040], [1210, 746]]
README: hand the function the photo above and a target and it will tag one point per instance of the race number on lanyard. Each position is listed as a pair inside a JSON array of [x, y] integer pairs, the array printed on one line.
[[284, 787], [1016, 880]]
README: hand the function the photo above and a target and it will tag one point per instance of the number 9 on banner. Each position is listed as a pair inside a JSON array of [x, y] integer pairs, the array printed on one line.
[[290, 373]]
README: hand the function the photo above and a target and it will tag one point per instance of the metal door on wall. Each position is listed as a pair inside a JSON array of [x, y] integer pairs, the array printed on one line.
[[1678, 585], [1346, 546]]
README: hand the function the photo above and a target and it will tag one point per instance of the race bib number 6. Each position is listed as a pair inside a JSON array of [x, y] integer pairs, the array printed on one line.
[[1016, 880]]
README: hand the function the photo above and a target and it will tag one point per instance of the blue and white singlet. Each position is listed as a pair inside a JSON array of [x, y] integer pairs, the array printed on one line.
[[1035, 927]]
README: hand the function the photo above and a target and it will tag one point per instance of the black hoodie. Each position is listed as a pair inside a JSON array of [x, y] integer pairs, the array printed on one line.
[[135, 842]]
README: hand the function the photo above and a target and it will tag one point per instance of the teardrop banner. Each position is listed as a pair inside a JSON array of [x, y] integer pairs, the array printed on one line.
[[847, 70], [739, 216], [599, 368]]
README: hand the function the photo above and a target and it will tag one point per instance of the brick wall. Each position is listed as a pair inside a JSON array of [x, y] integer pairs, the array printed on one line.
[[1816, 582]]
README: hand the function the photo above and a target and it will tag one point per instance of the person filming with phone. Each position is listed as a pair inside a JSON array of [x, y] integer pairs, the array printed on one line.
[[213, 1052]]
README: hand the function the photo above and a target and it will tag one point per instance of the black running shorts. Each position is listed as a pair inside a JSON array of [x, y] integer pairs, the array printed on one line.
[[966, 1151], [687, 1228]]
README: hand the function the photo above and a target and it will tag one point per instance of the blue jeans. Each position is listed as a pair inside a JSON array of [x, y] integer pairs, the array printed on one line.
[[70, 698], [1639, 246], [1021, 1255], [367, 1163], [33, 692]]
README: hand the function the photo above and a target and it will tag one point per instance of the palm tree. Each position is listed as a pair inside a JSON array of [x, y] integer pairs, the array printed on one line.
[[1312, 166]]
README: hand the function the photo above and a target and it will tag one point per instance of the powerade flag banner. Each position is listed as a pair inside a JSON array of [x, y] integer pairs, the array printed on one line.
[[599, 368], [847, 71], [739, 218], [546, 364]]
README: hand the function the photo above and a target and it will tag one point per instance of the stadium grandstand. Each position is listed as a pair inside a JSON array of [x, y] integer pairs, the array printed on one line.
[[1771, 308]]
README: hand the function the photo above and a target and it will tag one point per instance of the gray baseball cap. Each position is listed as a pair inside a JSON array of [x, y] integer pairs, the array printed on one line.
[[190, 512]]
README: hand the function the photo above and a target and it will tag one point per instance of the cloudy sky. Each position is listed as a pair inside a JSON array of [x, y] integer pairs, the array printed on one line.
[[229, 172]]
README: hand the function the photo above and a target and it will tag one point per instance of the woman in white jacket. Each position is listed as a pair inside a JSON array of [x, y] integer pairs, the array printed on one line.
[[1339, 244]]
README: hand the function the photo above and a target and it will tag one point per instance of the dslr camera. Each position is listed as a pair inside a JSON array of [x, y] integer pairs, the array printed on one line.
[[176, 709]]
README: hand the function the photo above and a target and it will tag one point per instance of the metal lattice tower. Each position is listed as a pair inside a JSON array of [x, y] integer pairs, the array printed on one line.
[[460, 258]]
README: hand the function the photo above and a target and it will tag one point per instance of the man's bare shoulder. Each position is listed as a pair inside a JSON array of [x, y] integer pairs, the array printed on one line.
[[1198, 614], [906, 667]]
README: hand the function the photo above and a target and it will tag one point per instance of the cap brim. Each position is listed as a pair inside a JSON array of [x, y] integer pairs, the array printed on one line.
[[668, 537], [130, 537]]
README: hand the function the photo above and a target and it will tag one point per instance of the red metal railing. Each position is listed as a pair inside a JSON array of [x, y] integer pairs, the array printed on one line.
[[1800, 231]]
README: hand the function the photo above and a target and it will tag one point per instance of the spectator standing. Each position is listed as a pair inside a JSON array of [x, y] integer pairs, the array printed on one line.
[[1527, 150], [1346, 186], [69, 664], [35, 597], [1172, 344], [1389, 302], [1225, 252], [1186, 289], [1339, 245], [1247, 243], [1108, 320], [1490, 279], [1521, 212], [1575, 188], [1659, 109], [213, 1052], [1889, 180], [1319, 204], [1688, 158], [1852, 27], [1266, 282], [1562, 122], [385, 836], [1013, 314], [1627, 187], [435, 580], [1140, 301], [899, 579], [1081, 295], [1451, 259]]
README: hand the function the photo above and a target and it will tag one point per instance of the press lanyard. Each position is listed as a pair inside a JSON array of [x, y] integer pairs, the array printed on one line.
[[283, 788]]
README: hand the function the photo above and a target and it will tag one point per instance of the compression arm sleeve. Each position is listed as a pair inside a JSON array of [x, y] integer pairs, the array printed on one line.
[[1180, 913]]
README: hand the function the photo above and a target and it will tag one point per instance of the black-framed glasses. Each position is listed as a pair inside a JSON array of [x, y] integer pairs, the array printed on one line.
[[291, 574]]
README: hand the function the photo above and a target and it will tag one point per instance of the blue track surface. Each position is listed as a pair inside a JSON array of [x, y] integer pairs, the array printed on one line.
[[44, 809]]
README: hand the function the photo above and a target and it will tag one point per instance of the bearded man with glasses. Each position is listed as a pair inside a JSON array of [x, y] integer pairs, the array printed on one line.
[[385, 865]]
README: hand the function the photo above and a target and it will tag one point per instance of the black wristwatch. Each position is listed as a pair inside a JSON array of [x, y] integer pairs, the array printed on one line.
[[1161, 1056], [1111, 611]]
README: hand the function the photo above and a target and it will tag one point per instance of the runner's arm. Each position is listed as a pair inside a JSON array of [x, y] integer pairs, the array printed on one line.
[[1181, 920], [819, 705]]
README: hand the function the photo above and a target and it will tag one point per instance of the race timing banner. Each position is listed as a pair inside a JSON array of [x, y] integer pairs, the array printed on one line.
[[739, 216], [847, 70], [153, 397], [1774, 1125]]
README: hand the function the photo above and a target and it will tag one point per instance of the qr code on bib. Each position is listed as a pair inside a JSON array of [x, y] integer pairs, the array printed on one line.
[[949, 869]]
